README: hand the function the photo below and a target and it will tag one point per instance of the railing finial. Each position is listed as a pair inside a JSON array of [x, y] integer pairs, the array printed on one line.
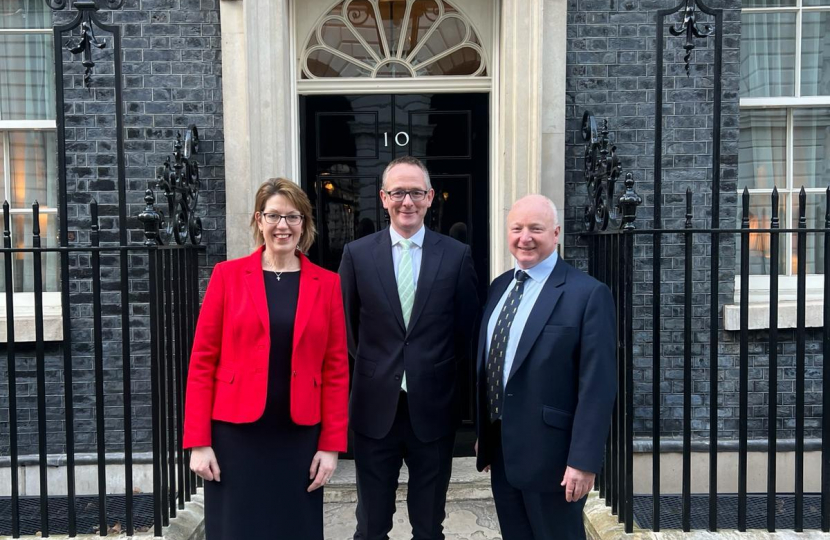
[[151, 219], [629, 201]]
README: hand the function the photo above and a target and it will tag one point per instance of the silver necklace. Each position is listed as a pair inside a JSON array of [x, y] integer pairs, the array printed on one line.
[[273, 268]]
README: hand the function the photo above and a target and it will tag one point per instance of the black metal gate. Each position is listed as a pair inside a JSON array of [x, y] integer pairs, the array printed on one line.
[[128, 309], [619, 247]]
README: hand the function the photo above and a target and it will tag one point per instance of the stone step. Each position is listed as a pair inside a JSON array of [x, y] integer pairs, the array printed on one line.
[[466, 484], [466, 520]]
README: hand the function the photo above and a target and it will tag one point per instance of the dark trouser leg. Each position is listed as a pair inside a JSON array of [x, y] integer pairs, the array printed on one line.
[[510, 508], [553, 518], [430, 468], [532, 515], [378, 465]]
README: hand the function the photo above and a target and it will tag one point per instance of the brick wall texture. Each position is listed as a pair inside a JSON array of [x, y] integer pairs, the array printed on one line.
[[172, 69], [171, 79], [611, 67]]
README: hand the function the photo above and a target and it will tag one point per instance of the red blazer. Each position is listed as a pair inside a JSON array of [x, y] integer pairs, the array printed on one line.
[[228, 377]]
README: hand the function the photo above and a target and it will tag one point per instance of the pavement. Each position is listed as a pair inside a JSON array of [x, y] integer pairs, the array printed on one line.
[[471, 514]]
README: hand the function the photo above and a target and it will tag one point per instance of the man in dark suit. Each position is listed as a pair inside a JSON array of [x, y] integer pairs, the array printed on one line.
[[410, 302], [546, 382]]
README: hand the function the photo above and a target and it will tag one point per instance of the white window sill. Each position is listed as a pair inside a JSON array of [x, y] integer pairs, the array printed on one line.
[[787, 315], [24, 317]]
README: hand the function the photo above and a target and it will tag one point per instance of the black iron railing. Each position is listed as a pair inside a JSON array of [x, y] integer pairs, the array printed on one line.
[[688, 259], [161, 282], [612, 261]]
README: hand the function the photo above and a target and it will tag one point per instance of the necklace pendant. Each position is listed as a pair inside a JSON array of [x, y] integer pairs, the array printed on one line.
[[278, 278]]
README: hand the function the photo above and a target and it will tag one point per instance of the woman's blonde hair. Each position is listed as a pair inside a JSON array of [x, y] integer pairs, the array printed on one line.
[[297, 198]]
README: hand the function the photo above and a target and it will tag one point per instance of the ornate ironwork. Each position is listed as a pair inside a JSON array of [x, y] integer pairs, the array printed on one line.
[[88, 39], [602, 168], [180, 182], [84, 45], [151, 218], [629, 201], [690, 27], [58, 5]]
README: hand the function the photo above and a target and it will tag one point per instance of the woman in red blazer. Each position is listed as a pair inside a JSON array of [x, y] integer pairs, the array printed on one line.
[[267, 391]]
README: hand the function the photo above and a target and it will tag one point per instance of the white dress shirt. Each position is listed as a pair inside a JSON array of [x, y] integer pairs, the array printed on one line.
[[537, 276], [417, 250]]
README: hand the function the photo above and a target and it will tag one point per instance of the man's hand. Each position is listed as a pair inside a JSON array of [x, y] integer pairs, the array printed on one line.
[[203, 463], [322, 468], [577, 483]]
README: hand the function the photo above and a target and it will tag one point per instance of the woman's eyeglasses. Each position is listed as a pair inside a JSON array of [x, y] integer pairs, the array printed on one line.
[[291, 219]]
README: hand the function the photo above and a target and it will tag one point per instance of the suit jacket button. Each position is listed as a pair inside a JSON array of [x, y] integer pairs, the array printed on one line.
[[397, 377], [406, 343]]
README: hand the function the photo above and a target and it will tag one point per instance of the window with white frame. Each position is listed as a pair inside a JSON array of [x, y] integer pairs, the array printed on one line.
[[785, 130], [28, 169]]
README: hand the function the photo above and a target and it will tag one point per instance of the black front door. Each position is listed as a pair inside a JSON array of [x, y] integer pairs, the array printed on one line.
[[347, 141]]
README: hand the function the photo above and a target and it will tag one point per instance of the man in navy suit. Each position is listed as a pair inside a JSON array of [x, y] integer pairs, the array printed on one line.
[[410, 301], [546, 381]]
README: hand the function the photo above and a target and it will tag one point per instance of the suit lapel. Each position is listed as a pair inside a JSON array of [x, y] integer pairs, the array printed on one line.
[[539, 315], [431, 256], [256, 286], [497, 289], [309, 286], [386, 273]]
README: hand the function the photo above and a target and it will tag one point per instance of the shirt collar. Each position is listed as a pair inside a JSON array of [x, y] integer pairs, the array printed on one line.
[[541, 271], [417, 239]]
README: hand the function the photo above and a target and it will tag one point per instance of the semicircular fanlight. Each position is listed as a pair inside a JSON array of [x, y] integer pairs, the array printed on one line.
[[393, 39]]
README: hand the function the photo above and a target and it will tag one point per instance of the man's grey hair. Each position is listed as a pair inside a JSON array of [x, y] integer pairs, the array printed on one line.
[[407, 160]]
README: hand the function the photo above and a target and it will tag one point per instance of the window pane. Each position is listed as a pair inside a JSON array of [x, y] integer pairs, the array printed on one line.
[[339, 37], [464, 61], [760, 216], [32, 168], [362, 17], [767, 54], [815, 241], [422, 16], [811, 148], [767, 3], [25, 14], [811, 3], [2, 168], [322, 63], [24, 262], [761, 155], [450, 32], [815, 54], [27, 77]]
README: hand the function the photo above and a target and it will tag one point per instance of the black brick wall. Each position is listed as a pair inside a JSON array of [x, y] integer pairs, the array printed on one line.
[[172, 78], [611, 71]]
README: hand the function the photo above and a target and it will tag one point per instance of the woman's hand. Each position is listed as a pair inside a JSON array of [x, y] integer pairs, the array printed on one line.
[[322, 468], [203, 463]]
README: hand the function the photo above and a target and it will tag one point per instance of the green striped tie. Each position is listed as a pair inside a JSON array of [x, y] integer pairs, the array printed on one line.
[[406, 288]]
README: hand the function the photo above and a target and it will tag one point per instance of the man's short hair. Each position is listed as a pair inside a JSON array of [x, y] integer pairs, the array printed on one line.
[[406, 160]]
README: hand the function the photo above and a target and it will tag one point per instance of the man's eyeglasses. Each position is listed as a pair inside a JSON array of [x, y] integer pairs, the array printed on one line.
[[400, 194], [291, 219]]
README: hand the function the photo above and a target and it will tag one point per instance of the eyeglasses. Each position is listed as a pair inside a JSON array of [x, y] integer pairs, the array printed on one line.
[[291, 219], [400, 194]]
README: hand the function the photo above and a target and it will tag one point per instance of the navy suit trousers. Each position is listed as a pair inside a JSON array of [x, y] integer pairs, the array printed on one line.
[[532, 515]]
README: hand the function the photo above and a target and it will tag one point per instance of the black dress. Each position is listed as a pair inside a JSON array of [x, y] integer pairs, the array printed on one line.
[[264, 465]]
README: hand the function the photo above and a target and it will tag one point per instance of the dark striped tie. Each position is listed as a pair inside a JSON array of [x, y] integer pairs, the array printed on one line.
[[498, 347]]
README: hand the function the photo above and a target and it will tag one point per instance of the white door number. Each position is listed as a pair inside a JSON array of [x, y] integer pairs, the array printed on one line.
[[401, 135]]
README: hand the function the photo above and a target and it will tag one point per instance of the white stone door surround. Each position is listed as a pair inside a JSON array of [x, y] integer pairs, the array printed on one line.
[[527, 117]]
